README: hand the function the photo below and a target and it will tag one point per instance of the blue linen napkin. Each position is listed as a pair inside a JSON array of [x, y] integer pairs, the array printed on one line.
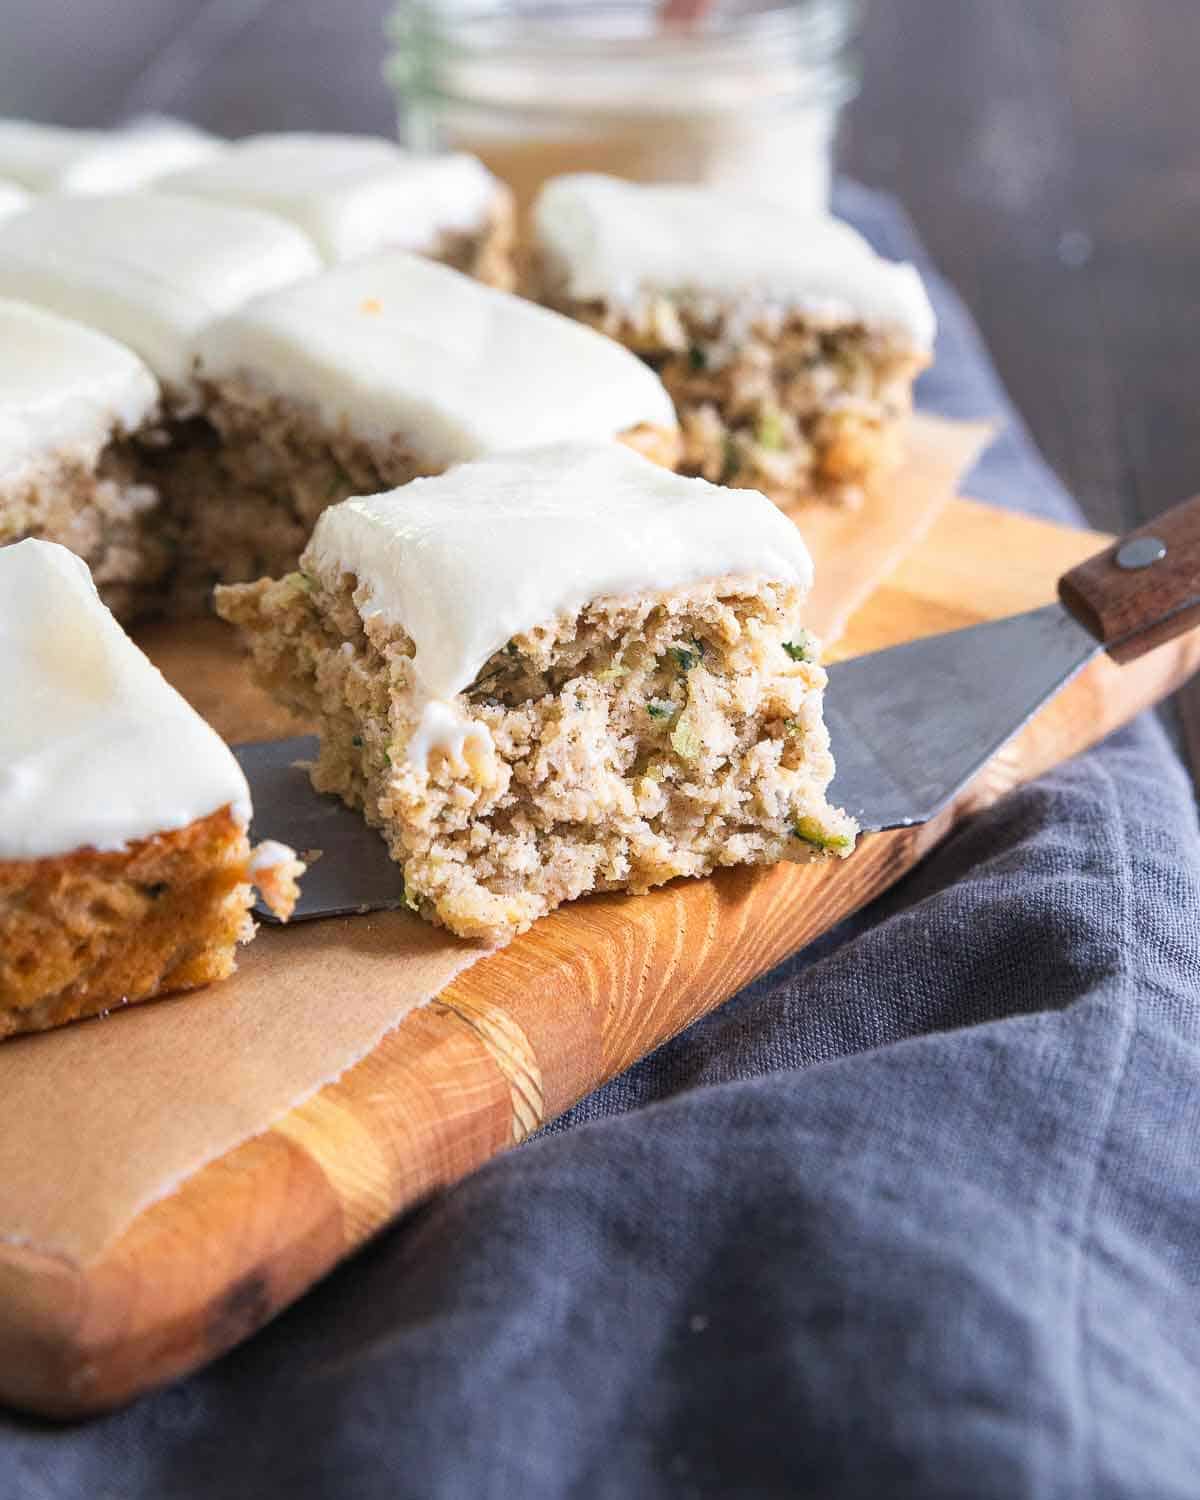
[[917, 1214]]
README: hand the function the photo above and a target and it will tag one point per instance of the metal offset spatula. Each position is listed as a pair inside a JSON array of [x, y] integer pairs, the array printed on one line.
[[910, 725]]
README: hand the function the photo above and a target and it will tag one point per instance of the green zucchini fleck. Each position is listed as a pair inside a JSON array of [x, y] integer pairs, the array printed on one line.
[[686, 657], [769, 431], [800, 650], [731, 460], [811, 832], [685, 741]]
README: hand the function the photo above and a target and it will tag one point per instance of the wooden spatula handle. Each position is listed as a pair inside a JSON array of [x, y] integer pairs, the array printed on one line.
[[1144, 589]]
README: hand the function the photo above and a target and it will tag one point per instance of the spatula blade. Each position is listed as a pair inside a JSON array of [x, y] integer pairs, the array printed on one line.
[[911, 725], [354, 872]]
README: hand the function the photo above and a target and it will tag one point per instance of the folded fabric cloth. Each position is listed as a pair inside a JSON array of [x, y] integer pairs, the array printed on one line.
[[916, 1214]]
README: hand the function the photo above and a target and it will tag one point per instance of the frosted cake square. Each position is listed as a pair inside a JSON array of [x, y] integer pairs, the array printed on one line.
[[374, 373], [74, 408], [149, 270], [60, 159], [788, 345], [556, 672], [125, 866], [355, 194]]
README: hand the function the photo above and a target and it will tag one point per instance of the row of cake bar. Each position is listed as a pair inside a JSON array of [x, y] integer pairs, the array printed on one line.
[[740, 344]]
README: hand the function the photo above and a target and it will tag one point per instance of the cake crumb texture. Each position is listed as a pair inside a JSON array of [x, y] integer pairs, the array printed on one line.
[[797, 406], [87, 932]]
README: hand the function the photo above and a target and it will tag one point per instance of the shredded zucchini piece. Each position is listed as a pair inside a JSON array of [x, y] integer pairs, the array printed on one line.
[[811, 832]]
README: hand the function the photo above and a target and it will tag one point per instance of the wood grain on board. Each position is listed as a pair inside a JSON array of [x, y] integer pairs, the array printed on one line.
[[521, 1035]]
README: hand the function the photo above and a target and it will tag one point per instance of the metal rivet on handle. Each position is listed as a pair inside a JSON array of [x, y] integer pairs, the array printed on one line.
[[1141, 552]]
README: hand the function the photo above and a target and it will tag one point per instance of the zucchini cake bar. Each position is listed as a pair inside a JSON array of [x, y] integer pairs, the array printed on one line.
[[125, 869], [59, 159], [371, 374], [74, 408], [356, 194], [555, 672], [790, 348], [148, 270]]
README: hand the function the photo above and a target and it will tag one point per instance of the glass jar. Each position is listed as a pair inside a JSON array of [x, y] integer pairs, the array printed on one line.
[[735, 92]]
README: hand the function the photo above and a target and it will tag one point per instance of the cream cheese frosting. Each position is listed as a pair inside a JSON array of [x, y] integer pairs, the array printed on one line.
[[96, 748], [466, 560], [351, 194], [58, 159], [397, 346], [13, 198], [64, 387], [618, 241], [149, 270]]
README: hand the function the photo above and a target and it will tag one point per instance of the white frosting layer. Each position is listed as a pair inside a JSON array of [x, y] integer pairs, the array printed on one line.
[[64, 387], [13, 198], [399, 346], [56, 159], [443, 729], [618, 241], [149, 270], [465, 561], [96, 748], [268, 854], [351, 194]]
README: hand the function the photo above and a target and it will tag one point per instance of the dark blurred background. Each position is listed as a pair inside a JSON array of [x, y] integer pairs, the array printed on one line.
[[1048, 150]]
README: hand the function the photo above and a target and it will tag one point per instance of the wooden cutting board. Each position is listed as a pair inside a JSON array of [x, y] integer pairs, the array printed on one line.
[[523, 1034]]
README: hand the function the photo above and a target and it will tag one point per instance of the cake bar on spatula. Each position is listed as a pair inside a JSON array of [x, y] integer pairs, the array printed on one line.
[[910, 726], [554, 672]]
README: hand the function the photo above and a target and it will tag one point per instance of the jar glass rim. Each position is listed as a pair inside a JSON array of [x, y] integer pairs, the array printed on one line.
[[596, 34]]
